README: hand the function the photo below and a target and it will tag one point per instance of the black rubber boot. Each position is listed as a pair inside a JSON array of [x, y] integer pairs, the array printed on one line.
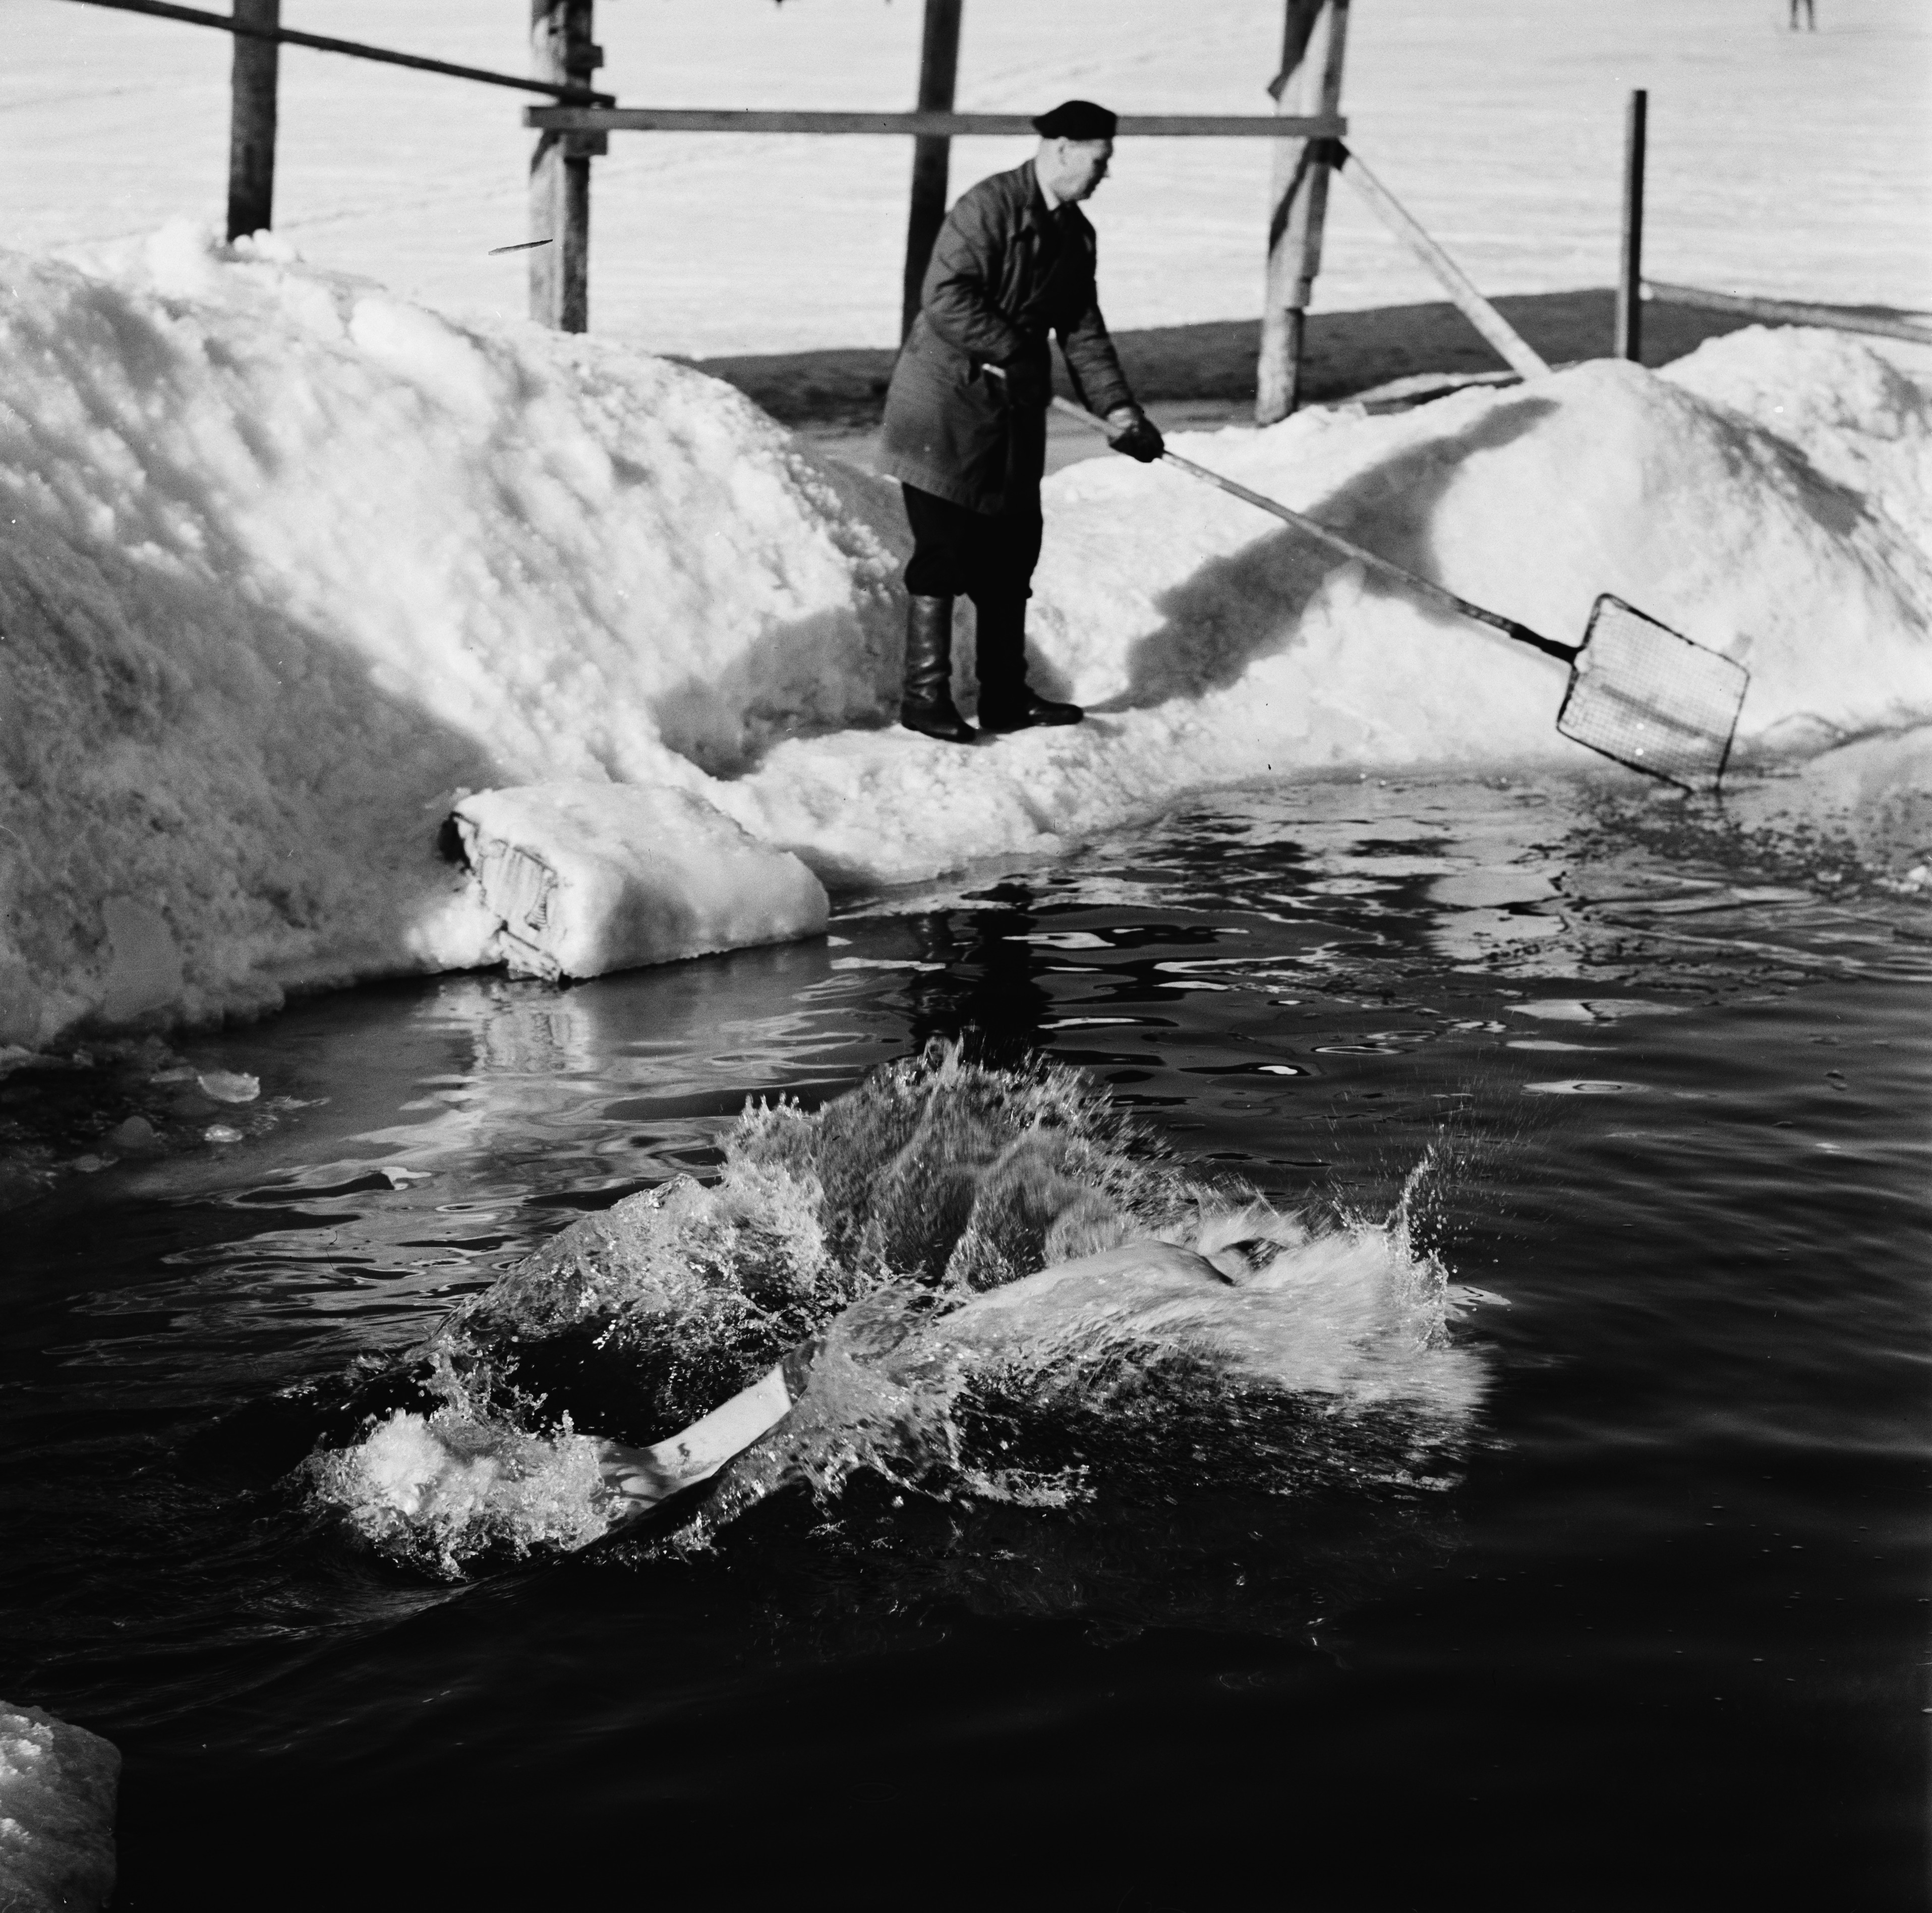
[[1006, 701], [927, 705]]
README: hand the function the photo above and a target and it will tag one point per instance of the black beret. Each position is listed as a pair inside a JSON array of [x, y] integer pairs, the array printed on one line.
[[1076, 119]]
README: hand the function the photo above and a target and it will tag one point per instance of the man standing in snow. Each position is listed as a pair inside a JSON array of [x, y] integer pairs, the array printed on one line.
[[965, 426]]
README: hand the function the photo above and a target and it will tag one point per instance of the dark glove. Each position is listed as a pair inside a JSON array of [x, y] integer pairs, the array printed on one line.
[[1027, 385], [1131, 430]]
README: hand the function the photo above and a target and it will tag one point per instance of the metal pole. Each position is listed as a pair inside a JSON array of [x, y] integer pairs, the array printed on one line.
[[938, 69], [1630, 272], [251, 122], [562, 49], [1314, 34]]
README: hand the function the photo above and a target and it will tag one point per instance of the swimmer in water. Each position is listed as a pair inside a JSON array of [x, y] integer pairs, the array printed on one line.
[[1131, 1276]]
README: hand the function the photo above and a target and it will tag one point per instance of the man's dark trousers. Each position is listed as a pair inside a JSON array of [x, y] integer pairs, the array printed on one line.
[[987, 556]]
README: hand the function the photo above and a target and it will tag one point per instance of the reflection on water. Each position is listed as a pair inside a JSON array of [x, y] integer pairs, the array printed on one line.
[[1669, 1066]]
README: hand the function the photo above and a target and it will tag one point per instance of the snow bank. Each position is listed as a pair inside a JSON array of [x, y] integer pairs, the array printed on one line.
[[57, 1789], [292, 567], [289, 566]]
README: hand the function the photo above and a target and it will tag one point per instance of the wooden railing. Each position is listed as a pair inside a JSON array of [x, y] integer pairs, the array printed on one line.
[[1792, 312], [927, 125]]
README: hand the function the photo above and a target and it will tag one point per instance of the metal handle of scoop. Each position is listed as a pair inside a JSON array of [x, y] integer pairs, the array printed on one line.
[[1422, 586], [1639, 692]]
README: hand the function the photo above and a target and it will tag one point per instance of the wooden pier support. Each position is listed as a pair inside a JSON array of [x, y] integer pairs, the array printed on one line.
[[1314, 34], [251, 123], [1630, 265], [563, 51], [931, 154]]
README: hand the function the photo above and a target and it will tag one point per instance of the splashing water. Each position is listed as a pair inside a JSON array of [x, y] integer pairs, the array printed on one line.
[[444, 1489], [1010, 1292]]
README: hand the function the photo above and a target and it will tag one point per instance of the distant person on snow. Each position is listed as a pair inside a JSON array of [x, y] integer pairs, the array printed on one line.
[[1810, 14], [965, 426]]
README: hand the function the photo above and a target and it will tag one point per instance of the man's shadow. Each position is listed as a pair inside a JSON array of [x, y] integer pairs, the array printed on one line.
[[1234, 610]]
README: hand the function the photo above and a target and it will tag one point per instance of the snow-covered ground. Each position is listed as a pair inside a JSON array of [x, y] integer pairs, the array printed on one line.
[[1791, 164], [291, 565]]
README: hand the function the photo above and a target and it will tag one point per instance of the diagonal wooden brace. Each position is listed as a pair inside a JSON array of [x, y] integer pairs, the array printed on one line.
[[1515, 351]]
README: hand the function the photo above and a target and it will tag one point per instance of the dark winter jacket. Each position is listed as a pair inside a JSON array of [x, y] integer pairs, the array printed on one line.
[[1006, 273]]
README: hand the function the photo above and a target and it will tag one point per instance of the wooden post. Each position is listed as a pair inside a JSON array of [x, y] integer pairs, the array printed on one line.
[[563, 50], [1313, 35], [251, 122], [1630, 271], [938, 68]]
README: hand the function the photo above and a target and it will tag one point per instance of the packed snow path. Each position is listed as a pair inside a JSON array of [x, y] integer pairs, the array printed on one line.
[[291, 565]]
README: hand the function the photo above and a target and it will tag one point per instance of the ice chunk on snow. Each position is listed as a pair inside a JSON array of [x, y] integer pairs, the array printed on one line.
[[586, 879], [57, 1789]]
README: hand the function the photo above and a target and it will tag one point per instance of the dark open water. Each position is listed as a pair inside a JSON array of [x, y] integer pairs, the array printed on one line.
[[1654, 1637]]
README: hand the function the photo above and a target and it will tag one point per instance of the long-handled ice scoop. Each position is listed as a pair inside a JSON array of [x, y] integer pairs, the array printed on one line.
[[1639, 692]]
